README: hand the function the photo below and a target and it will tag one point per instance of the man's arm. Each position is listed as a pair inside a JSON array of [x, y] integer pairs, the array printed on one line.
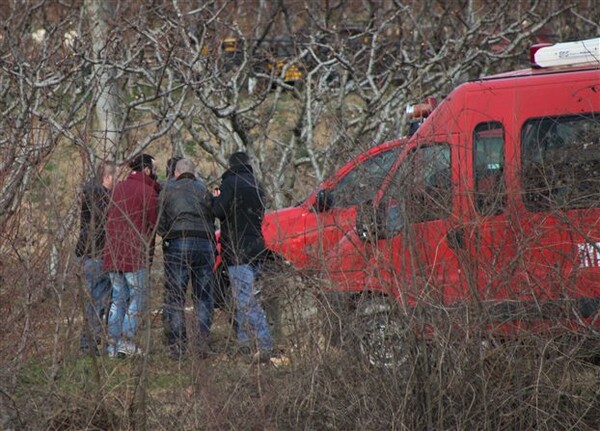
[[162, 214], [84, 243], [152, 215], [86, 207]]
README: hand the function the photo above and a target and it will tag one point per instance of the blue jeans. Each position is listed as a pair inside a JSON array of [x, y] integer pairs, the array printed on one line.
[[130, 301], [252, 327], [188, 258], [98, 301]]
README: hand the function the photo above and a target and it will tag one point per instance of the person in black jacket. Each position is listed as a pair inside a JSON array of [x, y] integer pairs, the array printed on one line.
[[89, 248], [239, 205], [187, 225]]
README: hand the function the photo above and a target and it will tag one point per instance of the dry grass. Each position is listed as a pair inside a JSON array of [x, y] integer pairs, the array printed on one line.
[[448, 382]]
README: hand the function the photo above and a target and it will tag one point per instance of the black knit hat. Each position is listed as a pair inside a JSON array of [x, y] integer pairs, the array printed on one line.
[[142, 161], [237, 159]]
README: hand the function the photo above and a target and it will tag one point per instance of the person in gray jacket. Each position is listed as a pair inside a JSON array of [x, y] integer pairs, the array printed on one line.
[[186, 224]]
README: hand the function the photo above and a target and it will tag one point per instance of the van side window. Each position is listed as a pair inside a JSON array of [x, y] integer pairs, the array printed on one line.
[[423, 184], [488, 164], [361, 184], [561, 162]]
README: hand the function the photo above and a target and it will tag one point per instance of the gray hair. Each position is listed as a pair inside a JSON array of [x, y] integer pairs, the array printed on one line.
[[184, 166], [105, 168]]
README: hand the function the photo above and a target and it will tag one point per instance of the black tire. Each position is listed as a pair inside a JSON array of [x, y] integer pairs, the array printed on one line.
[[381, 337]]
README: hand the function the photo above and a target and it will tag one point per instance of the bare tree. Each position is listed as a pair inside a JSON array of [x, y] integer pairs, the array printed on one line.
[[106, 131], [344, 78]]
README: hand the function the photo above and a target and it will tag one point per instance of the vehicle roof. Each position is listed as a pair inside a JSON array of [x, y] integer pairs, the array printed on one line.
[[445, 113], [540, 71]]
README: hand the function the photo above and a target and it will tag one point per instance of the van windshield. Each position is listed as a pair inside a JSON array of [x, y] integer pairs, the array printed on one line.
[[561, 162], [361, 184]]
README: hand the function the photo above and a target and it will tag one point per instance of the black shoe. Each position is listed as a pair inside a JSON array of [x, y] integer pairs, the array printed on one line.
[[176, 353]]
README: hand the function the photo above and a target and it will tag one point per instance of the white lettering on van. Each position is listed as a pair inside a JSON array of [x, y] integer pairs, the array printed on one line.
[[589, 254]]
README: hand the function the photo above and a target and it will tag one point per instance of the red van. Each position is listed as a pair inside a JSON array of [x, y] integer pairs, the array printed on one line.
[[494, 203]]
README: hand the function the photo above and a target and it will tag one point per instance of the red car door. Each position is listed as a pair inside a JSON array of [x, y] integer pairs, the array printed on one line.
[[413, 258], [493, 262]]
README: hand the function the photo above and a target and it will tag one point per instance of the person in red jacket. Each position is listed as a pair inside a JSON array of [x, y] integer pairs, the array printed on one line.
[[131, 220]]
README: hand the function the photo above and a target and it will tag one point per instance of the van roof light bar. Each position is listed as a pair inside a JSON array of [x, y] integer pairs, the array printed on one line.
[[421, 110], [576, 53]]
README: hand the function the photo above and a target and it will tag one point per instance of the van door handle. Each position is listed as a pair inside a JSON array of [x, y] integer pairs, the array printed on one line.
[[456, 238]]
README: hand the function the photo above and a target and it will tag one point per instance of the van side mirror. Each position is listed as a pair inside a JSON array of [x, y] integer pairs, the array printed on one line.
[[323, 201]]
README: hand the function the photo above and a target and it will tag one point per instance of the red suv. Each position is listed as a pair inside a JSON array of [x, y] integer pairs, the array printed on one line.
[[494, 203]]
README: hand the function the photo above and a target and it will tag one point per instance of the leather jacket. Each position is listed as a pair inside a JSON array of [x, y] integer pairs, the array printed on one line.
[[185, 209]]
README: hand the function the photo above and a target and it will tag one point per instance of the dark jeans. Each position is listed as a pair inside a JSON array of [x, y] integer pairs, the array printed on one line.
[[187, 258]]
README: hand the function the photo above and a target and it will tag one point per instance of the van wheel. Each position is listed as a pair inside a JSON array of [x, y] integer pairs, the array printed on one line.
[[381, 340]]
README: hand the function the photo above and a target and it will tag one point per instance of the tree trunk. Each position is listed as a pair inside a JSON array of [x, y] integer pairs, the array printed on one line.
[[106, 133]]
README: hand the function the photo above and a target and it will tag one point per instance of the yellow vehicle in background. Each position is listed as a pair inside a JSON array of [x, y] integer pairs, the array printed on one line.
[[292, 72], [271, 57], [229, 45], [278, 60]]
